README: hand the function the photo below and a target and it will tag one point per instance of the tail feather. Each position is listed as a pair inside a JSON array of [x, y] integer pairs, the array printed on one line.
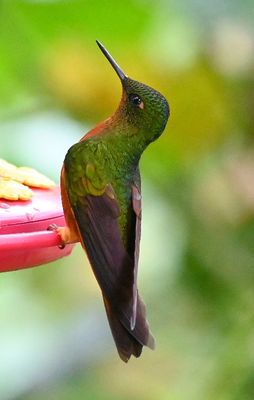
[[130, 342]]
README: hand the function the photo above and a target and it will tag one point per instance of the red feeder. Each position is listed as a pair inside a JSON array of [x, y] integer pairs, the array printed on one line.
[[24, 239]]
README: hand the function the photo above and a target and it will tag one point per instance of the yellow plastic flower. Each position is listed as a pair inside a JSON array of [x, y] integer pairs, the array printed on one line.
[[15, 181]]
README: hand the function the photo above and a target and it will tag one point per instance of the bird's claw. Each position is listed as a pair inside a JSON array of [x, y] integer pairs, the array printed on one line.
[[52, 227]]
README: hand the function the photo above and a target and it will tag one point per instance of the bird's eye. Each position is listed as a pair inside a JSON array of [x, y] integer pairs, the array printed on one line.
[[136, 100]]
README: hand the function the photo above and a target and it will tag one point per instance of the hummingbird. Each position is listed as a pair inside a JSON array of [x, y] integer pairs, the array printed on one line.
[[101, 197]]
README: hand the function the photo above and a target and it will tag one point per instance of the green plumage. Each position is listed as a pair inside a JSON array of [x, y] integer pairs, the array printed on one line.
[[112, 158], [94, 164], [102, 182]]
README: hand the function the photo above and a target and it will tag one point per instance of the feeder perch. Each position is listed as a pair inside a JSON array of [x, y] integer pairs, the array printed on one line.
[[24, 239]]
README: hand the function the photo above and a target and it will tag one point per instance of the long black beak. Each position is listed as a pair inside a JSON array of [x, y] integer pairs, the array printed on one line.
[[116, 67]]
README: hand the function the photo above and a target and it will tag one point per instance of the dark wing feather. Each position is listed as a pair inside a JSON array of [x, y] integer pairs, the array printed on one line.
[[115, 270], [113, 267], [126, 344]]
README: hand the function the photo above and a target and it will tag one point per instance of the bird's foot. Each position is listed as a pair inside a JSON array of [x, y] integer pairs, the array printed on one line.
[[66, 234], [58, 230]]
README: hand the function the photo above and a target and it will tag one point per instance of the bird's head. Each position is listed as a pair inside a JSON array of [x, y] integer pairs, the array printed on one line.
[[142, 108]]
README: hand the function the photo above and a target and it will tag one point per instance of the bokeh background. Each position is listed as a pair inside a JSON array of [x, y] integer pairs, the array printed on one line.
[[197, 255]]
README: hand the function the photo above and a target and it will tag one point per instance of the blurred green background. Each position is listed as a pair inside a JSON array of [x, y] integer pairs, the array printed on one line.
[[197, 255]]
